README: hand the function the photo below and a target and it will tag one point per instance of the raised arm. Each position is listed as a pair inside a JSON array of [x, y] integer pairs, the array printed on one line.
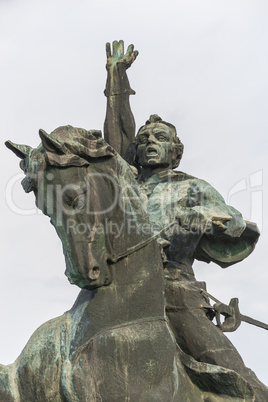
[[119, 125]]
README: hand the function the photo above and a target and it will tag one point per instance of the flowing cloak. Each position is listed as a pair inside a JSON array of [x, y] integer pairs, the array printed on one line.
[[176, 198]]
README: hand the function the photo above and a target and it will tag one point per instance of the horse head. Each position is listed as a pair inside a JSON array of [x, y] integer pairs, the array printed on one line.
[[78, 180]]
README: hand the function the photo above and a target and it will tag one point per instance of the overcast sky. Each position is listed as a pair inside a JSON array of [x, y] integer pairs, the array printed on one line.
[[202, 66]]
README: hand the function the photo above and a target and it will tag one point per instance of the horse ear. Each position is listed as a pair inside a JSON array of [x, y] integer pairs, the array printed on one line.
[[20, 150], [50, 144]]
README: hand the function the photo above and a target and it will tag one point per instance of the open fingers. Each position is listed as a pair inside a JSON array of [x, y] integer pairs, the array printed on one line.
[[131, 54], [116, 54], [135, 54], [130, 50], [108, 50], [115, 48], [121, 47]]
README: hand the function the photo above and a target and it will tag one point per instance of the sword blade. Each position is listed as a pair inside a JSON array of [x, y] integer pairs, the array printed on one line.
[[251, 321]]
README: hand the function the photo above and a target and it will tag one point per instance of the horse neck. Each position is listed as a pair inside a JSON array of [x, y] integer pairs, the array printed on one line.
[[136, 294], [138, 283]]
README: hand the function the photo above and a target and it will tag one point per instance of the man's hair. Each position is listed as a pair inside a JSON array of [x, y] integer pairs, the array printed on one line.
[[178, 145]]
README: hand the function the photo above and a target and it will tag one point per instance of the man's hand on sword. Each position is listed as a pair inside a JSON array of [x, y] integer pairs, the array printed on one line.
[[232, 315]]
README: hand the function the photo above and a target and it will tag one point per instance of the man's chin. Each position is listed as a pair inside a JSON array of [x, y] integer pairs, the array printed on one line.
[[154, 160], [154, 163]]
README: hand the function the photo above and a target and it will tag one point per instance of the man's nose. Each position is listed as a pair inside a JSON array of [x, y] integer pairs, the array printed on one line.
[[151, 138]]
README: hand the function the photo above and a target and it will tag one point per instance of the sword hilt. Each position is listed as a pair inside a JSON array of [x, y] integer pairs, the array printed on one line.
[[232, 315], [230, 312]]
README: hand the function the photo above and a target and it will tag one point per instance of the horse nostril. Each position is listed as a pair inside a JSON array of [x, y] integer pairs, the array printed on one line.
[[94, 273]]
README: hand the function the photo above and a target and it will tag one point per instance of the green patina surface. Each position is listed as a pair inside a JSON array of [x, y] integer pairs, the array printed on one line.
[[140, 330]]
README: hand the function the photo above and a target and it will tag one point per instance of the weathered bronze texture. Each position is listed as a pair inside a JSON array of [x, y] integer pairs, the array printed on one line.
[[140, 329], [195, 223]]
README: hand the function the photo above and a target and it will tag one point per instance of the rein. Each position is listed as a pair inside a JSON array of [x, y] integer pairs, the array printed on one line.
[[142, 244]]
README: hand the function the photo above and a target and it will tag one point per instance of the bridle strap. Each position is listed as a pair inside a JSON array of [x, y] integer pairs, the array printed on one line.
[[142, 244]]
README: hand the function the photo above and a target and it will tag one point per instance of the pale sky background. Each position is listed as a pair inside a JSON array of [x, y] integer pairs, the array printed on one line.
[[202, 66]]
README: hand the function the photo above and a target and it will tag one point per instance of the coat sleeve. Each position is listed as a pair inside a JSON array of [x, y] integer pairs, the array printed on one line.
[[231, 239]]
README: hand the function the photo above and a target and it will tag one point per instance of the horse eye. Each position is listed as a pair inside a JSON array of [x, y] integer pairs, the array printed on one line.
[[78, 202]]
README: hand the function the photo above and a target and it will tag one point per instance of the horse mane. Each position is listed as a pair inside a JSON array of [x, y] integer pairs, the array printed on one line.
[[65, 146], [71, 146]]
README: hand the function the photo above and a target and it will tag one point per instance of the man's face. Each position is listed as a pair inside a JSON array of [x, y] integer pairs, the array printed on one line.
[[155, 146]]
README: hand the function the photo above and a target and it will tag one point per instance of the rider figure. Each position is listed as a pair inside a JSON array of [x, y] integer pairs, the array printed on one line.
[[194, 221]]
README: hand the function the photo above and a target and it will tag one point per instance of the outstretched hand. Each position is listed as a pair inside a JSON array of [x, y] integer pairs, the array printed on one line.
[[118, 55]]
